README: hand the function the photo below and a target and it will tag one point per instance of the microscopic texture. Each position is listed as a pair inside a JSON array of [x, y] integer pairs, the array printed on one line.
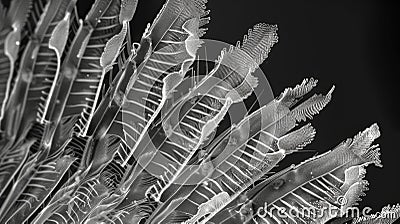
[[96, 127]]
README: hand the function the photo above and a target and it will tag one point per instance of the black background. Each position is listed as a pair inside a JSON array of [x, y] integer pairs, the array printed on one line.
[[349, 44]]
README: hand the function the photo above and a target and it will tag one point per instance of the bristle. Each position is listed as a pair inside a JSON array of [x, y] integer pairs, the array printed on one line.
[[297, 139], [362, 141], [290, 95], [312, 106], [361, 145], [259, 41], [373, 155]]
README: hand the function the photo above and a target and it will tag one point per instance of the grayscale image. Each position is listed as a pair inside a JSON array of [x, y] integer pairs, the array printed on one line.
[[171, 111]]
